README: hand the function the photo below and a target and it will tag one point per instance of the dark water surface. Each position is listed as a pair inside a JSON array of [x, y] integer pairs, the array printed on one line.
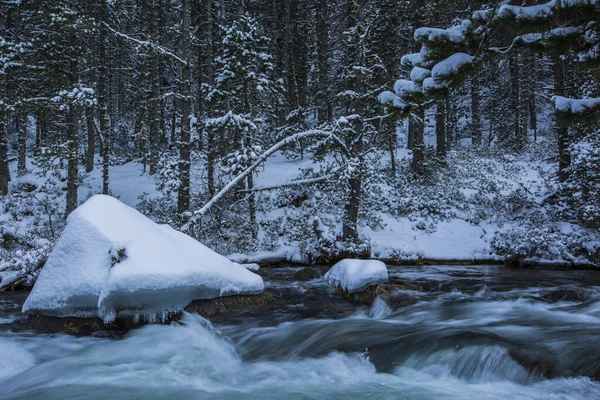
[[480, 332]]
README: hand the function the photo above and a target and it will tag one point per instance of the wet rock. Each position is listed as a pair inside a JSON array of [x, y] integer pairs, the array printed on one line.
[[366, 297], [565, 295], [388, 292], [96, 327], [397, 285], [81, 326], [307, 274], [223, 305], [535, 362], [392, 295]]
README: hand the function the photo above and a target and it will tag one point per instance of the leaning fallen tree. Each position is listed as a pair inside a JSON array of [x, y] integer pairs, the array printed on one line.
[[197, 215]]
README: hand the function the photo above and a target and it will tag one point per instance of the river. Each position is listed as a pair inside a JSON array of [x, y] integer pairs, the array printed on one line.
[[480, 332]]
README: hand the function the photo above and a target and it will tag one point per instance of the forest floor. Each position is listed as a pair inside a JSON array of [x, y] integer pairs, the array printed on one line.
[[481, 207]]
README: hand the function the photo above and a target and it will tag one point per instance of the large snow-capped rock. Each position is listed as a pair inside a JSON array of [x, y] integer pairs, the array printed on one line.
[[356, 275], [111, 261]]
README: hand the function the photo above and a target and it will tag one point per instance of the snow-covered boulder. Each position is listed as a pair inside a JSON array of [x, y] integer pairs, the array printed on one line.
[[356, 275], [113, 261]]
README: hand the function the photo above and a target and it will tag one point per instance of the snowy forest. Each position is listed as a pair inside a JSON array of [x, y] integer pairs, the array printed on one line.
[[300, 199], [306, 130]]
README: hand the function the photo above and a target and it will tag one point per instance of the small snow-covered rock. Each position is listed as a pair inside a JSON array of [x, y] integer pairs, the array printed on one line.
[[112, 261], [357, 275]]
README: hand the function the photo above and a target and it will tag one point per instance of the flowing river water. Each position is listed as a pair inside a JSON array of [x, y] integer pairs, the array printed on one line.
[[480, 332]]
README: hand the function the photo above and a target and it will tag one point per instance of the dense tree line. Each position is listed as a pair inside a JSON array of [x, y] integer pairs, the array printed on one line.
[[185, 84]]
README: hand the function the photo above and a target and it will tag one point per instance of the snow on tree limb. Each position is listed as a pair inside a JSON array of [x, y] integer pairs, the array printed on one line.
[[556, 26], [146, 43], [576, 106], [297, 182], [262, 158]]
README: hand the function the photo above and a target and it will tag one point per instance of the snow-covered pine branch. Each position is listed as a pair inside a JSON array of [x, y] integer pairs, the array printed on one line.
[[556, 27]]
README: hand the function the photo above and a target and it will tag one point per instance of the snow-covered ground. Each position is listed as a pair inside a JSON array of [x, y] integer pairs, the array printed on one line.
[[457, 218]]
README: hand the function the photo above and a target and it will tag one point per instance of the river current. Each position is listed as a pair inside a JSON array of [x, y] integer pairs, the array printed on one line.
[[480, 332]]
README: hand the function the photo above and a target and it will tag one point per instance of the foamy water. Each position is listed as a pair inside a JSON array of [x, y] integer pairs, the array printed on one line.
[[456, 342]]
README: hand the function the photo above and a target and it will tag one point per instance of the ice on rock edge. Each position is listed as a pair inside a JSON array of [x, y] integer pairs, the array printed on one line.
[[356, 275], [113, 261], [249, 266]]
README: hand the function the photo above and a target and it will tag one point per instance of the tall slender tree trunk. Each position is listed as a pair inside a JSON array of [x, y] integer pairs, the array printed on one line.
[[449, 123], [283, 26], [183, 194], [476, 134], [104, 133], [252, 210], [410, 138], [91, 141], [174, 124], [324, 109], [154, 97], [39, 122], [562, 126], [440, 128], [211, 141], [532, 100], [4, 169], [73, 147], [392, 140], [354, 189], [519, 130], [418, 159], [21, 128]]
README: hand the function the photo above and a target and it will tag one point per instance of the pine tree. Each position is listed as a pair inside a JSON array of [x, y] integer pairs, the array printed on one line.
[[242, 100]]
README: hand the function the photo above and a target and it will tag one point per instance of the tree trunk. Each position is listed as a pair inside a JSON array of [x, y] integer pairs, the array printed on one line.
[[532, 100], [562, 126], [440, 128], [418, 159], [449, 123], [73, 147], [91, 141], [392, 140], [252, 211], [38, 131], [519, 131], [476, 134], [410, 138], [354, 186], [21, 128], [210, 161], [153, 98], [4, 169], [104, 133], [183, 194], [325, 112], [350, 228], [211, 141]]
